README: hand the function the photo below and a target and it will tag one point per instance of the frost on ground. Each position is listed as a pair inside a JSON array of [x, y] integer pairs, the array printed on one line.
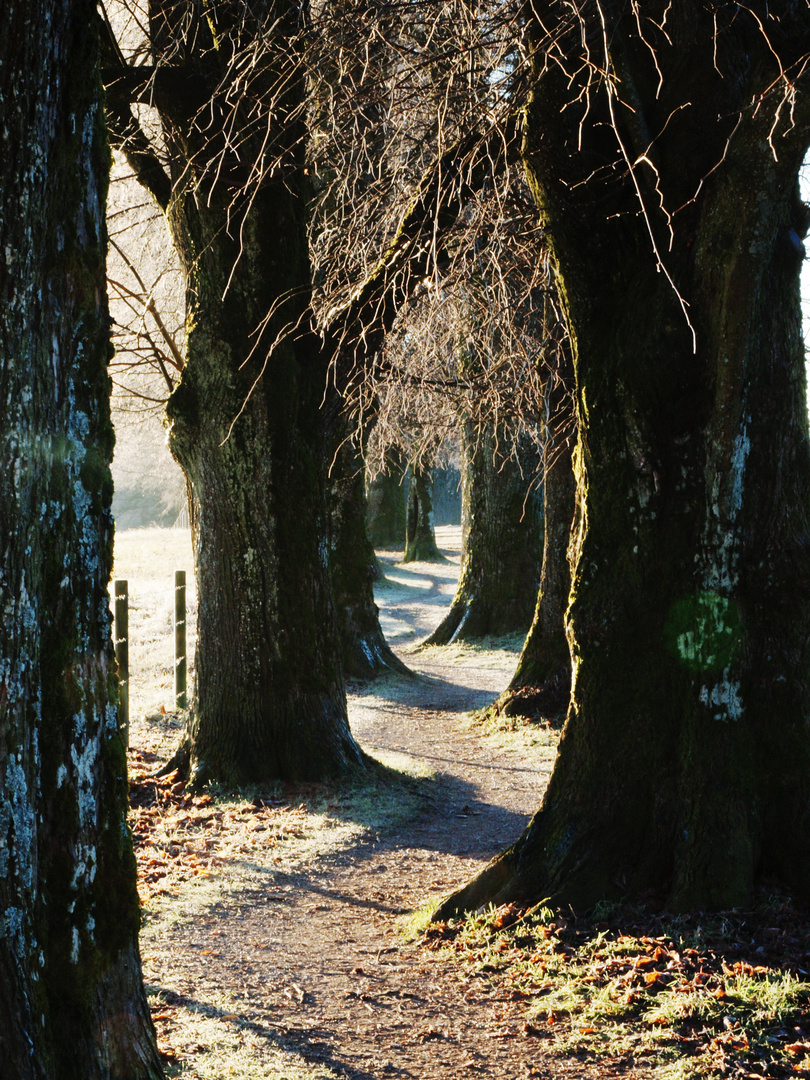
[[147, 559], [273, 937]]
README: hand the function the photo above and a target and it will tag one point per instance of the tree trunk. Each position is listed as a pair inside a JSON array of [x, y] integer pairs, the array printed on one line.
[[685, 760], [72, 1005], [247, 429], [365, 652], [501, 549], [386, 503], [420, 538], [541, 686], [269, 698]]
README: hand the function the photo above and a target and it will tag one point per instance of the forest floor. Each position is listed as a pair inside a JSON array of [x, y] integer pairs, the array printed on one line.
[[284, 928]]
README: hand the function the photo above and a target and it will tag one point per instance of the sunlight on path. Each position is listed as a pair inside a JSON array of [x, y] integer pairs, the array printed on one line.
[[273, 953]]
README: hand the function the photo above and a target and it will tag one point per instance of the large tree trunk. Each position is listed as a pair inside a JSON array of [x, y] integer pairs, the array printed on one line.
[[365, 652], [502, 545], [541, 686], [420, 536], [685, 760], [248, 431], [72, 1005]]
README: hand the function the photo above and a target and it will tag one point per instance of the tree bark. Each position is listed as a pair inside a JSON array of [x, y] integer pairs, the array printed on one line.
[[72, 1003], [386, 503], [365, 652], [420, 537], [684, 764], [502, 542], [247, 429], [541, 686]]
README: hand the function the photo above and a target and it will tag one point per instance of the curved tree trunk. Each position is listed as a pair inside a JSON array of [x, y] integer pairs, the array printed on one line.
[[386, 503], [502, 545], [365, 652], [541, 686], [71, 997], [247, 429], [420, 537], [685, 760]]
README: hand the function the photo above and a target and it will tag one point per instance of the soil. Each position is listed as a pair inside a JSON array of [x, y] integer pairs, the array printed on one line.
[[294, 963]]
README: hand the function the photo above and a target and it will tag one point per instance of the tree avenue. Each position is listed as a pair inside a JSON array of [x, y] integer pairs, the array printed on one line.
[[663, 144], [72, 1005], [246, 423]]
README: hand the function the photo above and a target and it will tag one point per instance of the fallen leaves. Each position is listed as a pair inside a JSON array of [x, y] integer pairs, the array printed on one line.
[[732, 991], [179, 837]]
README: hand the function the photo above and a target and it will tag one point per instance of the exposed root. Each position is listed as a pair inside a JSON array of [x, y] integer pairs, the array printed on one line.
[[370, 656], [547, 702], [179, 762], [494, 885]]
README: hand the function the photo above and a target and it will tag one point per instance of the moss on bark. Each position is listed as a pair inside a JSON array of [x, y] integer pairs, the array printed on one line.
[[683, 764]]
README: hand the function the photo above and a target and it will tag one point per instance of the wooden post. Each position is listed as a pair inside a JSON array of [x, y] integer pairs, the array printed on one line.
[[180, 694], [122, 655]]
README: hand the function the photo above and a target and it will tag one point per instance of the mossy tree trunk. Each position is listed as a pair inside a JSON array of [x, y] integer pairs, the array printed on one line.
[[245, 420], [72, 1005], [685, 760], [502, 541], [365, 652], [540, 689], [420, 536], [386, 503]]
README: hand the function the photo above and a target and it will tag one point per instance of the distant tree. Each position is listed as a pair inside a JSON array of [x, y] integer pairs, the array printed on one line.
[[420, 534], [502, 540], [476, 353], [540, 689], [386, 501], [366, 654], [663, 143], [71, 997]]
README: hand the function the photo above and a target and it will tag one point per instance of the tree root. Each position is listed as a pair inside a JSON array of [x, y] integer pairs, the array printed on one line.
[[545, 702], [496, 884], [179, 762]]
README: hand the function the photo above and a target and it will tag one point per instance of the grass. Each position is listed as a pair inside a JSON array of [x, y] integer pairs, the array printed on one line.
[[147, 558], [689, 996], [462, 650], [417, 923]]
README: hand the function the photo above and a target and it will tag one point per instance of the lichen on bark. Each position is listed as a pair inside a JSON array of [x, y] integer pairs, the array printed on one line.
[[72, 1003]]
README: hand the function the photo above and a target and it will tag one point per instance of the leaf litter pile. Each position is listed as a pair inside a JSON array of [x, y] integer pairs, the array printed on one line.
[[179, 837], [715, 996]]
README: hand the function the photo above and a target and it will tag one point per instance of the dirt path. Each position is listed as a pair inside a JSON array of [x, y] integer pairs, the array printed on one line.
[[295, 966]]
